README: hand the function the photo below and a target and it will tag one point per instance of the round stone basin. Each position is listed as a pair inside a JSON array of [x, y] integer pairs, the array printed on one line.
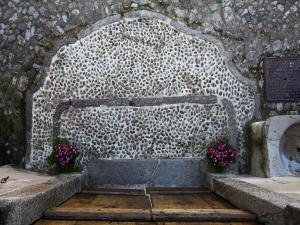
[[290, 149]]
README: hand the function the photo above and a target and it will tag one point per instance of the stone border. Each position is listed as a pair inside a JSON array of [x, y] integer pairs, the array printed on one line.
[[232, 128], [28, 206], [271, 208], [142, 102], [38, 84]]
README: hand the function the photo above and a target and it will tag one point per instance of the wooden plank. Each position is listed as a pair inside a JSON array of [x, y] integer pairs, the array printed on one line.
[[94, 222], [79, 200], [174, 191], [113, 223], [76, 222], [229, 215], [183, 201], [109, 191], [217, 202], [205, 223], [107, 201], [97, 214], [55, 222]]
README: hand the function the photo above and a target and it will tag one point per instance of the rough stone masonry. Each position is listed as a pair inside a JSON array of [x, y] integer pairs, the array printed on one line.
[[250, 30]]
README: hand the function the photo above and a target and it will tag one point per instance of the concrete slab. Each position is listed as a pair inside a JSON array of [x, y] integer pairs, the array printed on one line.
[[271, 199], [289, 186], [293, 213], [26, 195], [20, 179]]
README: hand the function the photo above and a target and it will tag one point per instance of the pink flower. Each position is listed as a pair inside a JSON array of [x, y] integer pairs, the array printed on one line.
[[221, 155]]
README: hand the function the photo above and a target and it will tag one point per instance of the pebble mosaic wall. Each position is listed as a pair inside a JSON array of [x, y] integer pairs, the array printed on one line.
[[169, 131], [137, 57]]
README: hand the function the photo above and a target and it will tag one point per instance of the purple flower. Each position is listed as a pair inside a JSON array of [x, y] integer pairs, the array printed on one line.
[[65, 154], [221, 155]]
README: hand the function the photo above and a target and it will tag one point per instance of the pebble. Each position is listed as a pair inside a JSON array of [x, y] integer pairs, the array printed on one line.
[[11, 38], [277, 45], [280, 7], [279, 107], [180, 13], [65, 18], [60, 30], [13, 18], [75, 12]]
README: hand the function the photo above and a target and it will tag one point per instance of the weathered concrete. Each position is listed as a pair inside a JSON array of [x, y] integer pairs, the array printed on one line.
[[270, 207], [289, 186], [259, 163], [293, 213], [26, 195], [146, 172]]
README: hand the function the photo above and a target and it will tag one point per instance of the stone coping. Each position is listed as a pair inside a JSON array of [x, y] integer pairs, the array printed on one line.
[[26, 194], [271, 207]]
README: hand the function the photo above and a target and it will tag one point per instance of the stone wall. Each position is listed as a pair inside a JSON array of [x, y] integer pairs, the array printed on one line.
[[159, 79], [29, 29]]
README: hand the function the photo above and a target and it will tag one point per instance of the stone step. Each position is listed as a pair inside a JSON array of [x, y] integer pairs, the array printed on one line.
[[157, 204], [115, 214]]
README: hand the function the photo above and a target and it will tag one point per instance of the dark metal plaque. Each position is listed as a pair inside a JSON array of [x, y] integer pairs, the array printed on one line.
[[282, 79]]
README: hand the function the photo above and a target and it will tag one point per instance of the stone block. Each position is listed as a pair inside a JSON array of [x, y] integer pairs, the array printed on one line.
[[146, 172]]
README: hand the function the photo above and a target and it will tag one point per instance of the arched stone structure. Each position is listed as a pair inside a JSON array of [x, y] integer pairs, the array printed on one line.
[[139, 86]]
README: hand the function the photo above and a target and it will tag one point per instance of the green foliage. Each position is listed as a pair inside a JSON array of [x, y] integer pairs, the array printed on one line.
[[59, 140], [51, 159], [223, 139]]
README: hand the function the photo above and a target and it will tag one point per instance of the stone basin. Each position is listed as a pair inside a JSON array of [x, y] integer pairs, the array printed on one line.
[[275, 146], [290, 149]]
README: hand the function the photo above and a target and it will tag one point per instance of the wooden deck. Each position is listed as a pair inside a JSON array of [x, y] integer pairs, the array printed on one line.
[[160, 206]]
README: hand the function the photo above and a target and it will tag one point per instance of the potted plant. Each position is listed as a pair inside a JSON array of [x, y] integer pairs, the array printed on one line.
[[220, 155], [63, 156]]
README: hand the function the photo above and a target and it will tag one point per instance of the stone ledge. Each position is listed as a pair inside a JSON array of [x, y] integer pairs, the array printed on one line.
[[26, 203], [293, 213], [271, 207]]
